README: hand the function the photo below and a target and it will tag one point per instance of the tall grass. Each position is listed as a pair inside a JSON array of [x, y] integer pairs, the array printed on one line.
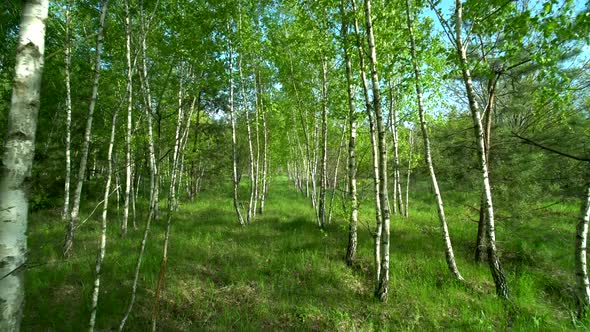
[[283, 273]]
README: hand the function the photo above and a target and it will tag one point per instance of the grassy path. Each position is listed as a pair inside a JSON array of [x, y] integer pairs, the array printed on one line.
[[282, 273]]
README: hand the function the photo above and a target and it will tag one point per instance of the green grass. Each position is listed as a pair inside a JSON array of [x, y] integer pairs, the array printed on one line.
[[282, 273]]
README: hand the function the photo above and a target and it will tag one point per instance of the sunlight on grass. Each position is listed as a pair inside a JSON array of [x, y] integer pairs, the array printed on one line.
[[281, 272]]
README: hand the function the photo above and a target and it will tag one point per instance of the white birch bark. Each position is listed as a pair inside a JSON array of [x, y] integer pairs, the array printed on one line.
[[322, 220], [17, 160], [128, 177], [133, 194], [374, 149], [232, 116], [583, 283], [173, 204], [103, 228], [147, 97], [66, 210], [449, 254], [314, 172], [257, 132], [265, 159], [396, 169], [75, 213], [353, 221], [144, 82], [335, 177], [383, 285], [409, 173], [493, 259], [250, 214]]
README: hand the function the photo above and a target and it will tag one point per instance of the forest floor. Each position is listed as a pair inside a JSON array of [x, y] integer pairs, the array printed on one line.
[[283, 273]]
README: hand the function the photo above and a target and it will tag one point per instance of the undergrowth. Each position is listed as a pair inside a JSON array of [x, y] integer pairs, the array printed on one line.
[[283, 273]]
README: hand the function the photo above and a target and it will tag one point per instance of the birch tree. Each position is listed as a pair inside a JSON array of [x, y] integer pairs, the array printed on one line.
[[17, 160], [68, 60], [382, 288], [75, 212], [583, 283], [128, 175], [374, 150], [450, 257], [324, 152], [235, 179], [103, 228], [352, 229], [493, 259]]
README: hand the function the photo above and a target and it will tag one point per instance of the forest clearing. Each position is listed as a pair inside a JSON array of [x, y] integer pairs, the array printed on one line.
[[338, 165], [282, 273]]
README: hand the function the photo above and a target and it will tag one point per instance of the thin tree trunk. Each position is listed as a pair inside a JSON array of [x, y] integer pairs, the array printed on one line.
[[138, 267], [583, 283], [133, 196], [335, 178], [493, 259], [68, 60], [147, 97], [398, 203], [172, 206], [409, 173], [103, 228], [324, 166], [256, 127], [450, 257], [264, 156], [177, 145], [75, 213], [383, 285], [117, 182], [306, 160], [128, 177], [374, 150], [250, 213], [480, 247], [233, 138], [352, 228], [314, 172], [17, 160]]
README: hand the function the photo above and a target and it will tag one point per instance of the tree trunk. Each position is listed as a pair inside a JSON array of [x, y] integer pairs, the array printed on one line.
[[493, 259], [17, 160], [75, 213], [374, 150], [233, 138], [172, 205], [128, 177], [103, 228], [68, 60], [450, 257], [383, 285], [409, 173], [133, 194], [147, 98], [324, 156], [335, 178], [264, 155], [398, 202], [352, 228], [583, 283], [480, 247], [257, 130], [250, 214], [314, 171]]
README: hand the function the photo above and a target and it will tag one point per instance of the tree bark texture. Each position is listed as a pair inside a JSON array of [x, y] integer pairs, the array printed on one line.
[[17, 160]]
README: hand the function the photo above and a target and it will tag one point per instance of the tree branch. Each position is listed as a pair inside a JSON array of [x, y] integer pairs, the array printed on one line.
[[528, 141]]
